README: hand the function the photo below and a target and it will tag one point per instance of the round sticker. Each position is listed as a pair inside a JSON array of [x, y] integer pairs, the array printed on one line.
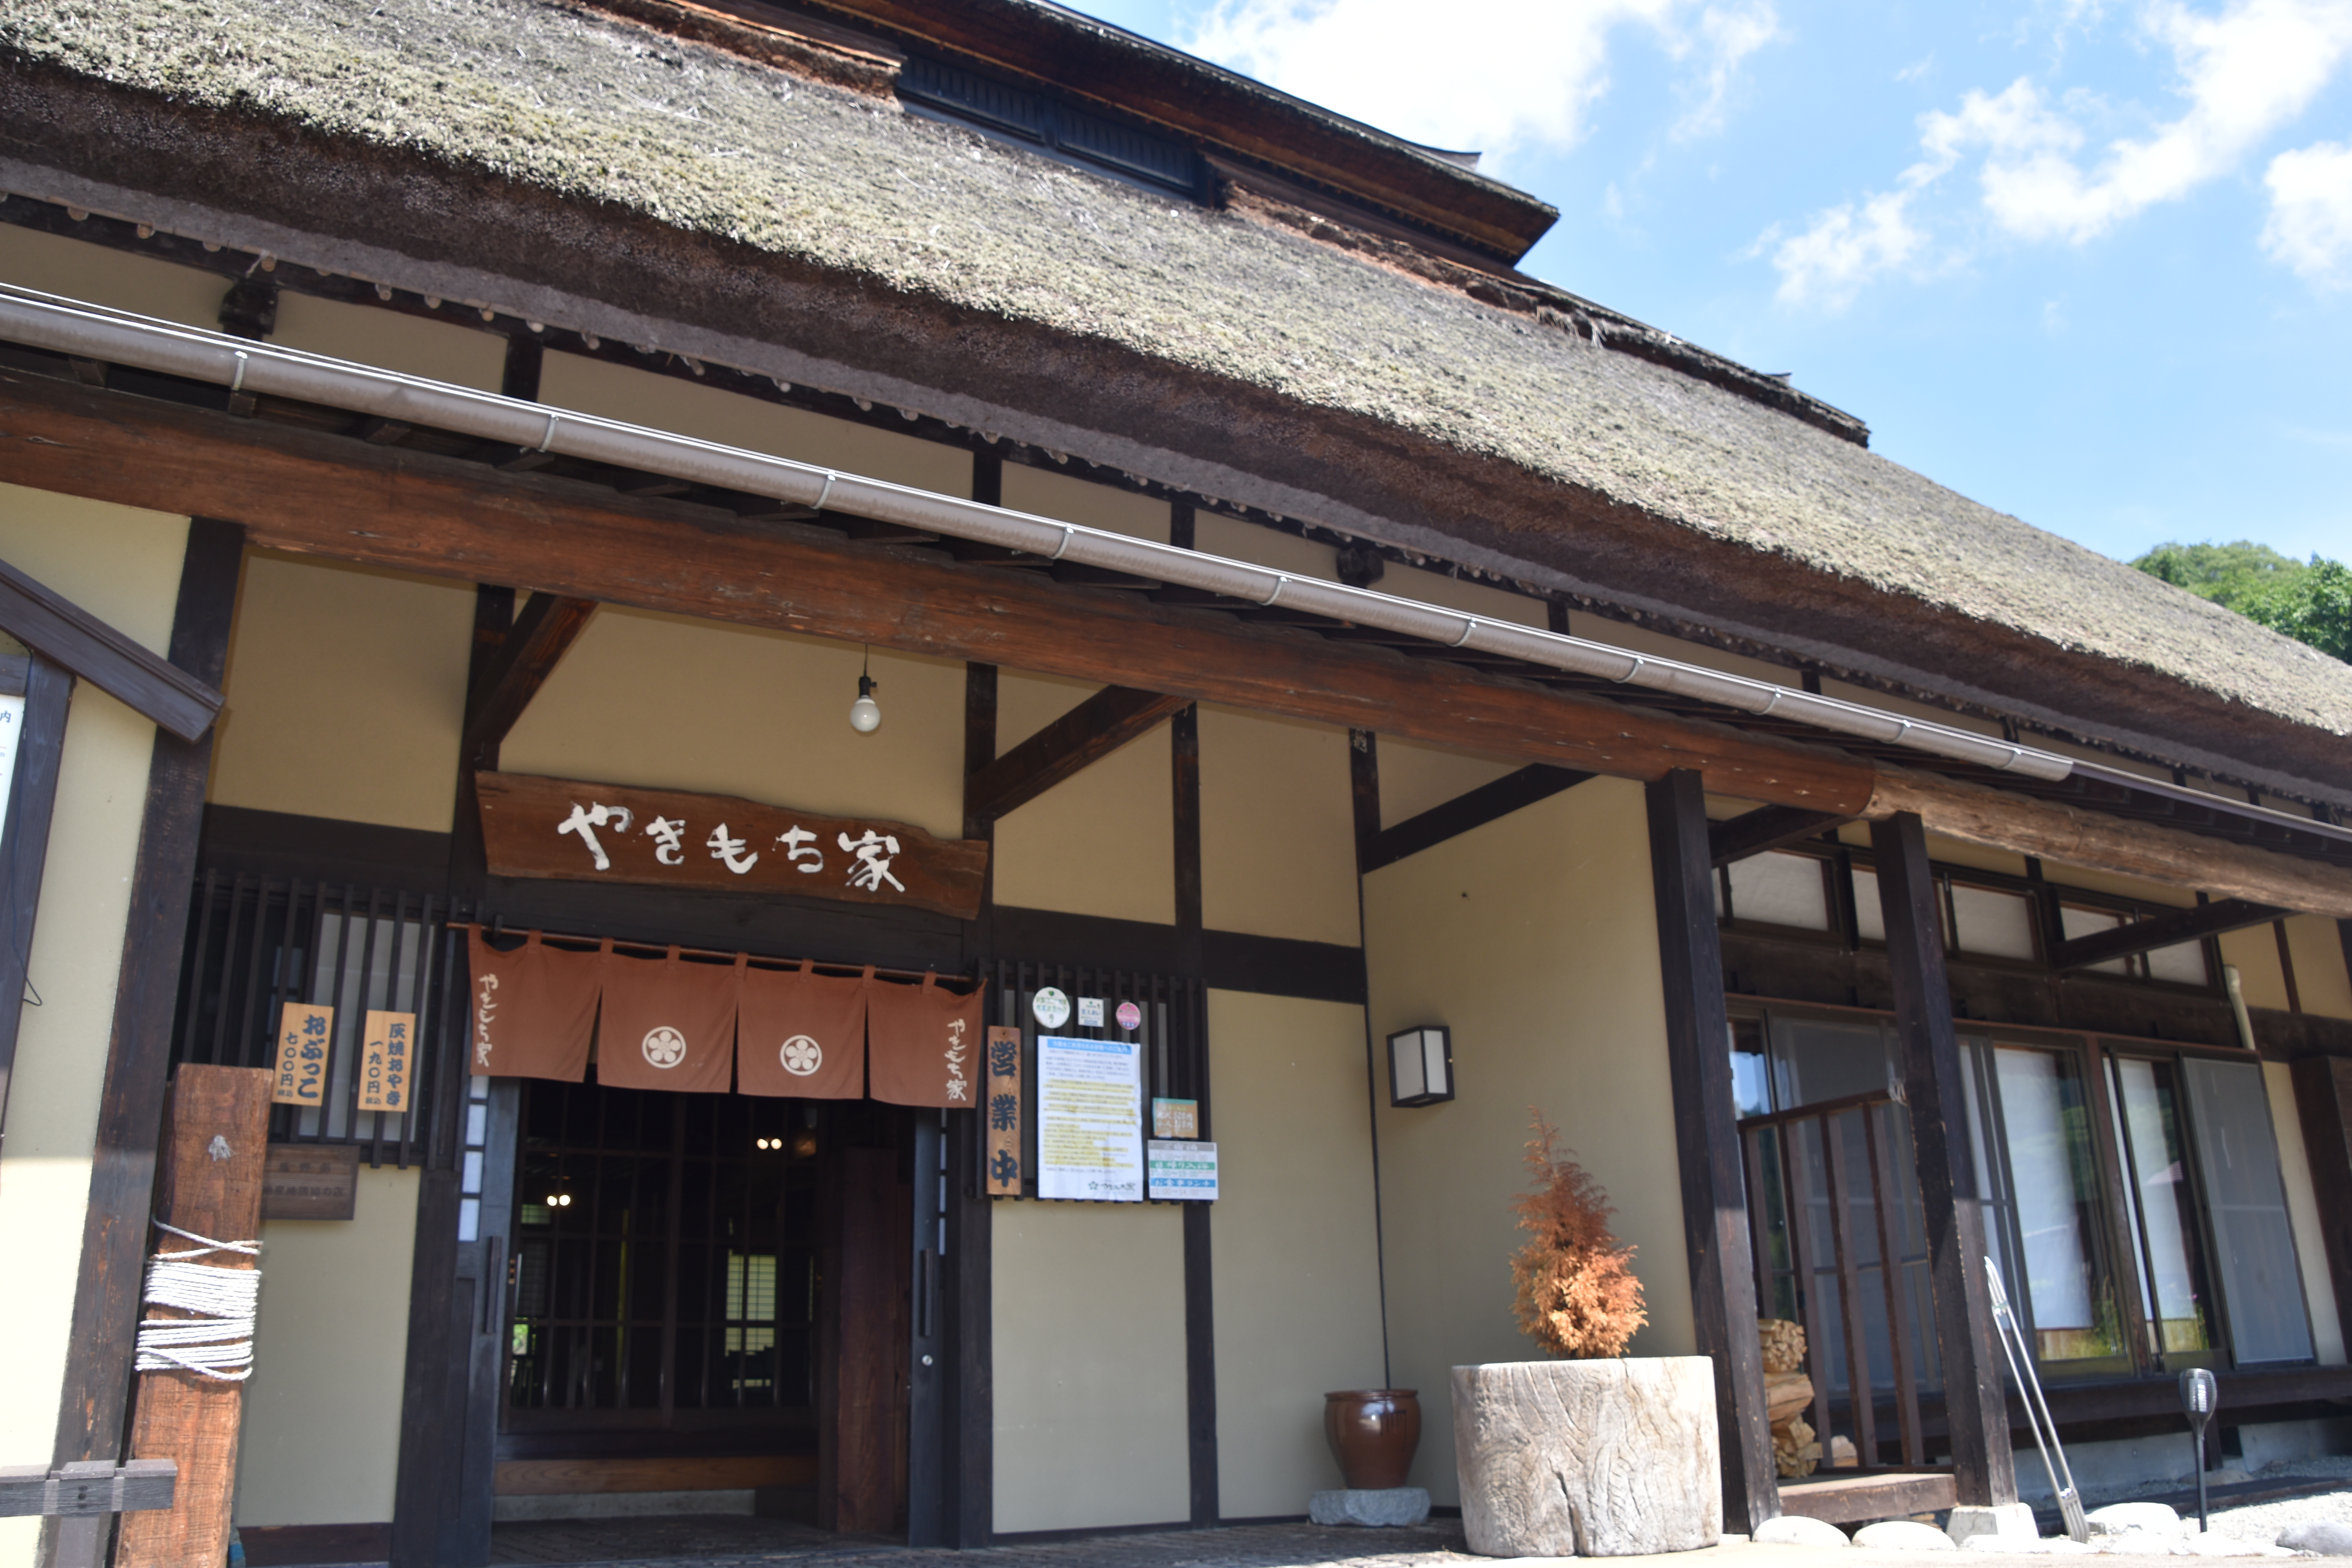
[[801, 1056], [1051, 1007], [664, 1047], [1130, 1016]]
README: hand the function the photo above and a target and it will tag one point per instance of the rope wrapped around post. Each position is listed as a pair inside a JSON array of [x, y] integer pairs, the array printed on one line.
[[217, 1342]]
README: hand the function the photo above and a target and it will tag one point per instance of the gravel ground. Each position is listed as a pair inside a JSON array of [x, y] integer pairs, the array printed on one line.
[[2264, 1521]]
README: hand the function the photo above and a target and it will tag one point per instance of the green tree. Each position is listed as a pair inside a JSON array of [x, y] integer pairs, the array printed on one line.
[[2308, 601]]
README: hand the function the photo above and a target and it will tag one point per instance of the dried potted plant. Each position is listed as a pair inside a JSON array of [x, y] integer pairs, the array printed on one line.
[[1594, 1455]]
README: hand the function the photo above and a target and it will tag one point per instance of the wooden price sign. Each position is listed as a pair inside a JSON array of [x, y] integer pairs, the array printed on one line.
[[304, 1033], [387, 1047], [1002, 1105], [580, 832]]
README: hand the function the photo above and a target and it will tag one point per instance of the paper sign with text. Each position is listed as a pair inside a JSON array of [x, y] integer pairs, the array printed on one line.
[[1089, 1120], [1186, 1172]]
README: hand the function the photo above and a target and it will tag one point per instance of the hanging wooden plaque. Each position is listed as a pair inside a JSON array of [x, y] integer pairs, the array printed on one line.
[[580, 832], [1001, 1104], [305, 1035]]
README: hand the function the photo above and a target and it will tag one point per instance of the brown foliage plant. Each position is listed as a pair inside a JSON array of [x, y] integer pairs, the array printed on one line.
[[1577, 1295]]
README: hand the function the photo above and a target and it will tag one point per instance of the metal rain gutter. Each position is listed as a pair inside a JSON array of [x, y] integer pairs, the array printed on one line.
[[89, 331]]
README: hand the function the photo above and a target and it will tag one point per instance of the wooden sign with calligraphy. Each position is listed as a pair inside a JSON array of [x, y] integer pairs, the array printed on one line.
[[1000, 1103], [305, 1034], [609, 833], [310, 1180]]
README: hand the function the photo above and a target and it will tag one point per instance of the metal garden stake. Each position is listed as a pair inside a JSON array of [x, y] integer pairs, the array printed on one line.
[[2197, 1397], [2037, 1410]]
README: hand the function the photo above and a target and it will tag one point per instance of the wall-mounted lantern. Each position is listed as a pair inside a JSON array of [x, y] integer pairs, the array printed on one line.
[[1421, 1065]]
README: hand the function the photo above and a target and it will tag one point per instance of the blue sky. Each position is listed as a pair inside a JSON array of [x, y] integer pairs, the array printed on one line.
[[2087, 262]]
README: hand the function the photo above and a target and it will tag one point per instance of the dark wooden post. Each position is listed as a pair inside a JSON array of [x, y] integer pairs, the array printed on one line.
[[48, 691], [1707, 1137], [1200, 1285], [1976, 1406], [130, 1106], [2322, 1103]]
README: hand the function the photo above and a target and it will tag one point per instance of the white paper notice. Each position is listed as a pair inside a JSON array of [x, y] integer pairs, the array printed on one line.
[[1184, 1171], [1089, 1120]]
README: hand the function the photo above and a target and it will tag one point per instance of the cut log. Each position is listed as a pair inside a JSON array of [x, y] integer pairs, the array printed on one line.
[[1783, 1344], [212, 1158], [1786, 1395], [1588, 1458]]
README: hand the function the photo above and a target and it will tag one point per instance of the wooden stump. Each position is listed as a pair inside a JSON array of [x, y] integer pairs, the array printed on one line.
[[1588, 1458], [212, 1159]]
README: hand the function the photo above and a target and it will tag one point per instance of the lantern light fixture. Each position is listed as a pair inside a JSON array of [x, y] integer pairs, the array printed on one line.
[[865, 714], [1421, 1065]]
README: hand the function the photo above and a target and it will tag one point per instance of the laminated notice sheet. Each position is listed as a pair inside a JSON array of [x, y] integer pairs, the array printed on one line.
[[1089, 1120]]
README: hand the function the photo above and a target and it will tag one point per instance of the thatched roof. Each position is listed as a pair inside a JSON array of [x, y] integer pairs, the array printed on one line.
[[591, 158]]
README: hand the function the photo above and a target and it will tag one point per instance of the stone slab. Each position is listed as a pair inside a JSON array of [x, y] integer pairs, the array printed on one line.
[[1588, 1458], [1796, 1530], [1902, 1535], [2007, 1521], [1385, 1506]]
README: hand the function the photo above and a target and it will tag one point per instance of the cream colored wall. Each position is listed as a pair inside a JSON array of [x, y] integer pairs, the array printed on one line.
[[1642, 639], [1534, 939], [99, 275], [667, 702], [122, 567], [1277, 828], [2320, 978], [2254, 953], [320, 1440], [439, 351], [1462, 593], [2303, 1214], [1294, 1241], [346, 693], [1214, 534], [666, 402], [1088, 1310], [1415, 778], [1050, 493], [1101, 843]]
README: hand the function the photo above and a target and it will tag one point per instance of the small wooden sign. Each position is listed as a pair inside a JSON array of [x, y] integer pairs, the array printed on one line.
[[305, 1032], [580, 832], [1175, 1118], [387, 1048], [310, 1180], [1002, 1106]]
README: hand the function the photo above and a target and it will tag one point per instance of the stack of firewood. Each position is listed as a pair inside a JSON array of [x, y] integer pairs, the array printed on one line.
[[1787, 1392]]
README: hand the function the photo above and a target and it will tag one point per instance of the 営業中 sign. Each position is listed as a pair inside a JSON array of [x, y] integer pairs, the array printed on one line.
[[1089, 1120], [1000, 1101]]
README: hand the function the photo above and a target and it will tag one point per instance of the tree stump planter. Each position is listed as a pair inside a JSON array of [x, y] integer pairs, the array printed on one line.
[[1588, 1458]]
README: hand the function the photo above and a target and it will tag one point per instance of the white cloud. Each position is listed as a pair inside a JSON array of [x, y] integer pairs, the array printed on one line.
[[2245, 72], [2310, 225], [1497, 77]]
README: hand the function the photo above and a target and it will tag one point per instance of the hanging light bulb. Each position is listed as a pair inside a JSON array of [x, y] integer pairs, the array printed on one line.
[[865, 714]]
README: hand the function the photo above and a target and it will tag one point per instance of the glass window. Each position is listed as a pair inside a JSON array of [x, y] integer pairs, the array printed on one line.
[[2054, 1187], [1869, 918], [1815, 1060], [1997, 925], [1779, 890], [2075, 920], [2183, 963], [2262, 1288], [2160, 1213]]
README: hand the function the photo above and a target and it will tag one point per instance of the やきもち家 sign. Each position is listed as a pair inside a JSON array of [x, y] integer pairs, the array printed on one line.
[[580, 832]]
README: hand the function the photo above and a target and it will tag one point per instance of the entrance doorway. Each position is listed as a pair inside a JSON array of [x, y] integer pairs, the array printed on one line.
[[708, 1295]]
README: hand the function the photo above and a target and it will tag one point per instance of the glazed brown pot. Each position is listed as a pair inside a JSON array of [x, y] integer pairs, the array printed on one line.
[[1373, 1433]]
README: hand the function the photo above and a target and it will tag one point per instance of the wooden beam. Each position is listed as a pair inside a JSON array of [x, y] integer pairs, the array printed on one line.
[[541, 634], [2322, 1103], [2073, 836], [114, 1248], [210, 1186], [1472, 808], [49, 623], [32, 794], [1975, 1405], [2142, 936], [1064, 748], [341, 496], [1766, 827], [1707, 1143]]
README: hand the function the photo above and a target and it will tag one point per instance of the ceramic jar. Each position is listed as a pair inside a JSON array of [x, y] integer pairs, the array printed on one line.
[[1374, 1434]]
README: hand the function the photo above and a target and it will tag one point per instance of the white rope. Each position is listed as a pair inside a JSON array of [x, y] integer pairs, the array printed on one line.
[[217, 1343]]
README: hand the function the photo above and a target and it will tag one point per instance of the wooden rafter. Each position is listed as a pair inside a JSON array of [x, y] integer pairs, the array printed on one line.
[[153, 685], [1064, 748], [2164, 930], [1766, 827], [541, 634], [1472, 808], [416, 510]]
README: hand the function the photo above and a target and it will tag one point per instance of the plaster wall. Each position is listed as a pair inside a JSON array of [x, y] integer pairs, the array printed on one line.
[[1088, 1306], [1277, 828], [1047, 492], [1415, 778], [667, 403], [1294, 1241], [125, 567], [346, 691], [666, 701], [1534, 937], [99, 275], [2321, 980], [2254, 952], [1101, 843], [437, 351], [320, 1440]]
